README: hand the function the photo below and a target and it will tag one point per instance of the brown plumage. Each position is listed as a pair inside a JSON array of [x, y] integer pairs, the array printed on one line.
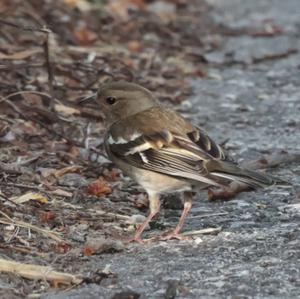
[[162, 151]]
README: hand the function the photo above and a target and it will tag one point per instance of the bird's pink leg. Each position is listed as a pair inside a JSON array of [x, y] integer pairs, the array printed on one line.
[[175, 234], [154, 209]]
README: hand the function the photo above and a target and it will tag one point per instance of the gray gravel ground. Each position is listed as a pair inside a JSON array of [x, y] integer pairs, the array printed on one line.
[[252, 97]]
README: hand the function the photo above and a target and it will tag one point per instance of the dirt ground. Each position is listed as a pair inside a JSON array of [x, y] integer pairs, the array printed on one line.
[[232, 67]]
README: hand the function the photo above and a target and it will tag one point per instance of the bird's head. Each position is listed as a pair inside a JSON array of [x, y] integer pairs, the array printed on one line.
[[119, 100]]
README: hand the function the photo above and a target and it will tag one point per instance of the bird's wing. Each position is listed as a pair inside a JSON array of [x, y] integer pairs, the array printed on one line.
[[183, 155], [173, 146]]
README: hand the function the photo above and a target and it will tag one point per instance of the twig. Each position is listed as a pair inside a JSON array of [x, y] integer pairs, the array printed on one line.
[[5, 198], [24, 186], [205, 231], [32, 271], [20, 223], [24, 28], [20, 66], [210, 215], [3, 99], [25, 250], [97, 212], [6, 216], [49, 68]]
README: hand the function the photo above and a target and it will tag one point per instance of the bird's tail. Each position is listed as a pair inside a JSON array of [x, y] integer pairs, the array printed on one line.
[[230, 171]]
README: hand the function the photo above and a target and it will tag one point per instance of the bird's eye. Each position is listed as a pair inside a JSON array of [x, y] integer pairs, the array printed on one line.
[[111, 100]]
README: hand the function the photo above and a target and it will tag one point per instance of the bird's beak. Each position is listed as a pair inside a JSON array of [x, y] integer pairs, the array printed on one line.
[[88, 99]]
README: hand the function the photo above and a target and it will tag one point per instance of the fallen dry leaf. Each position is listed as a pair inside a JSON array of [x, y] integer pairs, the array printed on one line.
[[62, 248], [99, 187], [88, 251], [29, 196], [46, 216], [84, 36], [33, 99], [28, 128], [60, 108], [134, 46], [60, 192], [68, 169], [120, 8]]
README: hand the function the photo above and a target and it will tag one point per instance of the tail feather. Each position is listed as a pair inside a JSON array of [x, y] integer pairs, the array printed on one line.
[[233, 172]]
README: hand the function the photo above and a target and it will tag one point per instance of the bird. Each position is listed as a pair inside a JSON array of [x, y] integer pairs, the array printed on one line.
[[164, 152]]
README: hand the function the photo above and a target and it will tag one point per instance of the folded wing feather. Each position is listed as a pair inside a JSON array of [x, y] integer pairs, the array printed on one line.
[[166, 153]]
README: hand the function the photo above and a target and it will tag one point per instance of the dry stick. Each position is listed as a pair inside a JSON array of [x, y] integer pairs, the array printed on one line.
[[32, 271], [3, 99], [30, 187], [20, 223], [24, 28], [23, 224], [20, 66], [24, 186], [49, 68], [21, 249], [212, 230], [210, 215], [97, 211], [5, 198]]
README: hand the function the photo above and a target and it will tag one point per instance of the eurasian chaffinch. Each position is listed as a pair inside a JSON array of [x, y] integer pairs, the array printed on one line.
[[162, 151]]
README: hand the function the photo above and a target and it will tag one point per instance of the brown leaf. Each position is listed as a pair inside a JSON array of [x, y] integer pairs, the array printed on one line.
[[134, 46], [88, 251], [99, 187], [62, 248], [28, 128], [120, 8], [85, 36], [74, 151], [32, 99], [68, 169], [46, 216]]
